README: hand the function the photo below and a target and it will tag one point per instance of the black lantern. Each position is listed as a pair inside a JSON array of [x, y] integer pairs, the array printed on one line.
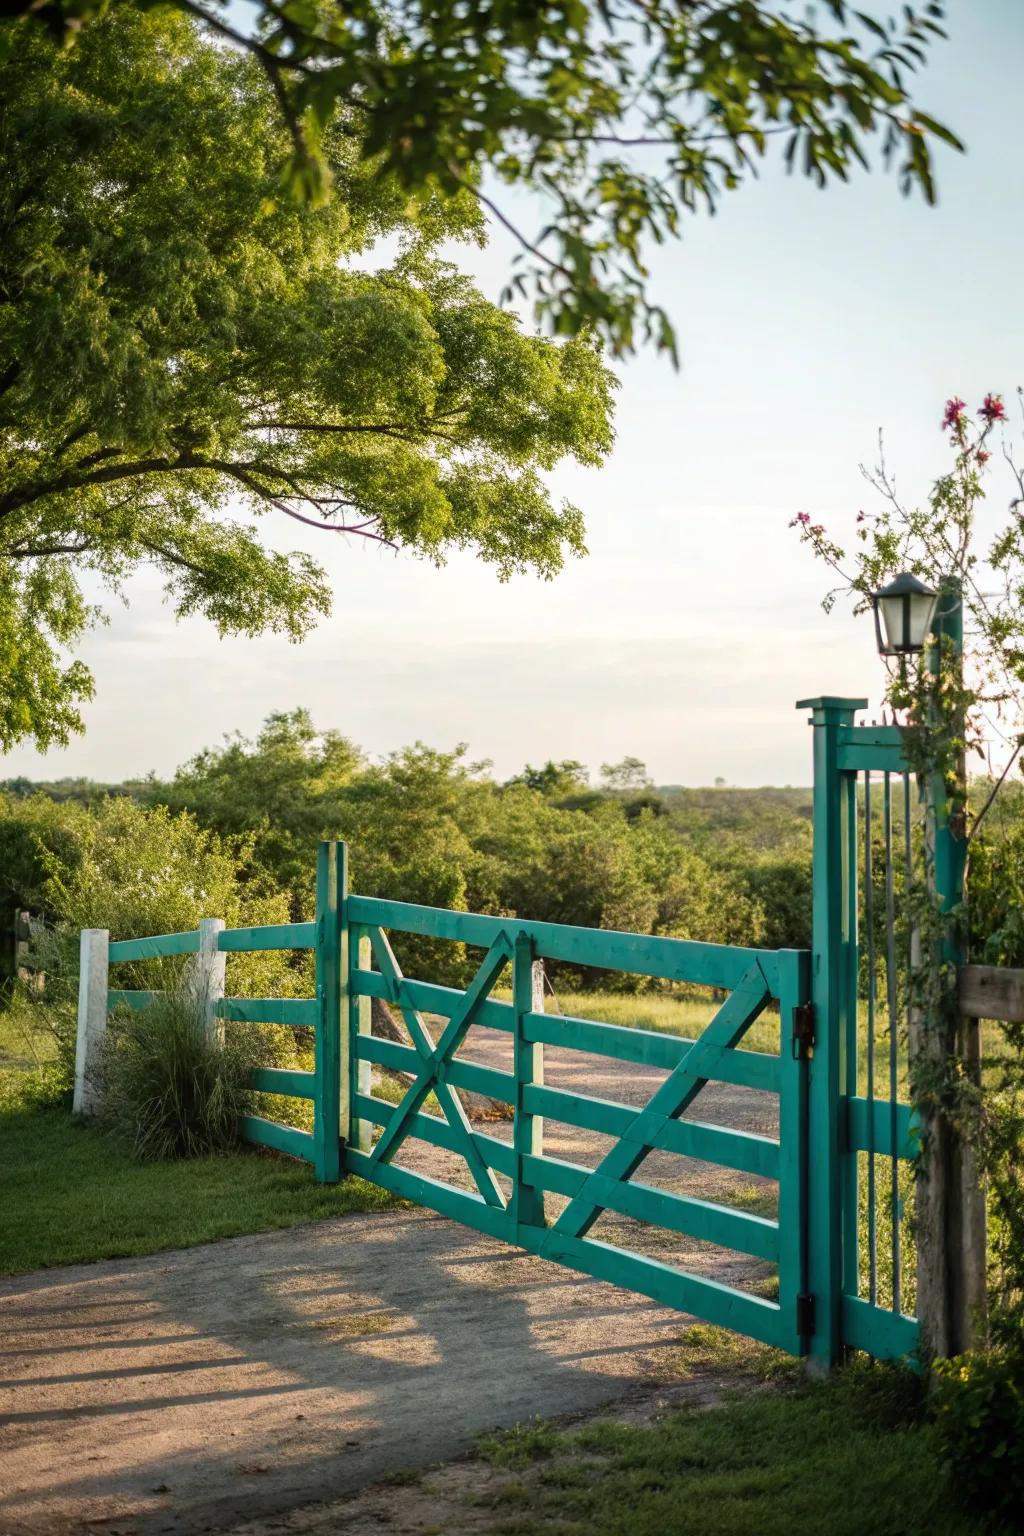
[[903, 615]]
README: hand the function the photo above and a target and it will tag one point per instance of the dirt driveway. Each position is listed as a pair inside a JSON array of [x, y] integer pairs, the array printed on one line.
[[190, 1391]]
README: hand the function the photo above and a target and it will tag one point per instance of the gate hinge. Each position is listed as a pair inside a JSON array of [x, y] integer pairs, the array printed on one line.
[[805, 1315], [803, 1031]]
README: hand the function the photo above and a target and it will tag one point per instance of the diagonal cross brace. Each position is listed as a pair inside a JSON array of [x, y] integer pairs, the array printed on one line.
[[434, 1058], [675, 1095]]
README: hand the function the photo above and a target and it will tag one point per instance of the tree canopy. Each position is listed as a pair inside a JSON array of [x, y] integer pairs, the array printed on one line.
[[177, 342], [622, 116]]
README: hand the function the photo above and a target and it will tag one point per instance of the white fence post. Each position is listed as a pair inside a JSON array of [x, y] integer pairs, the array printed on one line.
[[92, 1017], [208, 976]]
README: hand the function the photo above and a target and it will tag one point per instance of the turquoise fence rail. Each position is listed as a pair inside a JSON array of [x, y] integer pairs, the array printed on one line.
[[827, 1119]]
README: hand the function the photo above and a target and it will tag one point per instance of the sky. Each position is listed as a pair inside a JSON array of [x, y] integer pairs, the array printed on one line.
[[808, 321]]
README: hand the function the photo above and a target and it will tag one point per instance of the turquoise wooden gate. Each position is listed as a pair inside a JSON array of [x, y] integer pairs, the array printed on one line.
[[822, 1246]]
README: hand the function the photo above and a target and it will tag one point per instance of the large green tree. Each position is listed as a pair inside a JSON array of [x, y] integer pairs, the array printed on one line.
[[181, 348], [621, 116]]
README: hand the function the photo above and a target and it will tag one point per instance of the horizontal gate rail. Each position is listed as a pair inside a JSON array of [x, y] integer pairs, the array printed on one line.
[[274, 936], [720, 1304], [298, 1012], [708, 965], [158, 946]]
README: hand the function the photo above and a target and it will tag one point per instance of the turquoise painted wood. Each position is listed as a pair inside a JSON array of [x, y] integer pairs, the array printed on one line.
[[331, 893], [848, 1129], [823, 1122], [274, 936], [299, 1012], [158, 946], [829, 994]]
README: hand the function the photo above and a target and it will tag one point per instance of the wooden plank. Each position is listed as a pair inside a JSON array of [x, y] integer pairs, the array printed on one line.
[[461, 1074], [721, 1304], [282, 1138], [871, 749], [885, 1335], [703, 1219], [431, 1074], [990, 992], [434, 999], [299, 1012], [711, 965], [157, 946], [286, 1080], [458, 1204], [120, 997], [331, 891], [740, 1150], [93, 1006], [751, 1069], [356, 1131], [670, 1101], [274, 936], [861, 1115], [528, 1058], [431, 1128]]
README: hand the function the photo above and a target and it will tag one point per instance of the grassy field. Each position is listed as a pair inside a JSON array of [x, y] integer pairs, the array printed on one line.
[[69, 1195], [849, 1456]]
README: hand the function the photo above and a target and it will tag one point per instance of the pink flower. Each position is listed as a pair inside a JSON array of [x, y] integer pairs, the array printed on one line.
[[954, 412], [817, 528], [803, 518], [983, 456], [860, 517], [993, 409]]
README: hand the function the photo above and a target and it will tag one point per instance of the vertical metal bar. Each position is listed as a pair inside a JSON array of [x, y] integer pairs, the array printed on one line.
[[890, 977], [851, 1158], [331, 891], [869, 924]]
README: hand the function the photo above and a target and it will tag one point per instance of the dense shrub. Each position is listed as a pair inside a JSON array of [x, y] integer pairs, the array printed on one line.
[[979, 1412], [169, 1089]]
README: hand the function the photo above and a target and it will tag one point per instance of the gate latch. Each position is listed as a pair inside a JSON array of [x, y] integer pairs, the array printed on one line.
[[805, 1319], [803, 1031]]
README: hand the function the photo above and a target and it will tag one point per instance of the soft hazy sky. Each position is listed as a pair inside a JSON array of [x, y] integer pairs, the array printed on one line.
[[807, 320]]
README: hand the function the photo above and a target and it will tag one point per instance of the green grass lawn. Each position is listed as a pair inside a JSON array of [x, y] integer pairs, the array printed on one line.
[[847, 1457], [68, 1195]]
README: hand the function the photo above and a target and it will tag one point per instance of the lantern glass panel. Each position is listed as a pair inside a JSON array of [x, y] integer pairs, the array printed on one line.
[[921, 607]]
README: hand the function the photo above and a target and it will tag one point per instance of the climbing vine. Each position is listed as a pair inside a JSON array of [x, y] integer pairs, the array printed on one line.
[[956, 709]]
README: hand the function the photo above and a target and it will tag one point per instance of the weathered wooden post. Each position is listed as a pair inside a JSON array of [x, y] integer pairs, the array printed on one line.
[[93, 972], [951, 1248], [207, 977]]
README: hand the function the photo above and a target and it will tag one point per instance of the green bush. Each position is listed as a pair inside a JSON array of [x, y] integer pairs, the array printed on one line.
[[168, 1089], [979, 1411]]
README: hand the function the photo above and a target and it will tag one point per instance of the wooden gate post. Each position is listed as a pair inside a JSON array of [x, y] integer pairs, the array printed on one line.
[[951, 1245], [528, 1128], [834, 929], [208, 970], [92, 1017], [332, 963]]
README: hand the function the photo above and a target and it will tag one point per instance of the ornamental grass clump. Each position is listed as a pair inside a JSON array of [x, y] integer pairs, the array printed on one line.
[[169, 1089]]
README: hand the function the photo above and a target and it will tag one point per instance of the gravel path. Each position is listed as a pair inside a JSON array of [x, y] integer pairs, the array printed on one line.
[[250, 1378]]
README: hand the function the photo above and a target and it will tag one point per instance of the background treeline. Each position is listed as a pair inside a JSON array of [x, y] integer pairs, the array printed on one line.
[[234, 833]]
